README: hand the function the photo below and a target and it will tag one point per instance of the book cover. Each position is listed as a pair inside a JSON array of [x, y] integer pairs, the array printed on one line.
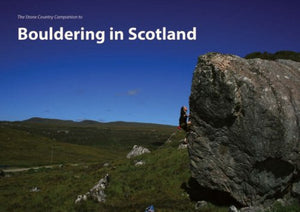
[[83, 83]]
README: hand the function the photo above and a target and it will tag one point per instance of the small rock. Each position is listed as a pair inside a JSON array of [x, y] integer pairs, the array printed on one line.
[[200, 204], [106, 165], [182, 141], [185, 195], [182, 146], [35, 189], [233, 209], [139, 163], [136, 151], [78, 200], [168, 141]]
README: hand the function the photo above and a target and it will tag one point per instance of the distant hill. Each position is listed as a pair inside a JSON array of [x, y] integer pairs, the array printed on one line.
[[47, 121], [89, 122], [288, 55], [37, 120], [86, 140]]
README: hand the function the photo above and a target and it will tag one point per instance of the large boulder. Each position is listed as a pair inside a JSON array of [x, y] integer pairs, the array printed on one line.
[[245, 132]]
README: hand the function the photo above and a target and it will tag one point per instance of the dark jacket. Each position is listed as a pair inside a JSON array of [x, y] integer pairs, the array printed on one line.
[[183, 119]]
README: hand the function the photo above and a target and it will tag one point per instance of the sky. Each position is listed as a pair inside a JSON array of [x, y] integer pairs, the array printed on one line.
[[136, 81]]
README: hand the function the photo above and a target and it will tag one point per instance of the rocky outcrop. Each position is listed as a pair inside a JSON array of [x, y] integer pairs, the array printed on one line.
[[136, 151], [245, 130], [96, 193], [182, 146]]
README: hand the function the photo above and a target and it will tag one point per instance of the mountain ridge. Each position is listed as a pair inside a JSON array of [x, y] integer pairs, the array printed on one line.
[[85, 121]]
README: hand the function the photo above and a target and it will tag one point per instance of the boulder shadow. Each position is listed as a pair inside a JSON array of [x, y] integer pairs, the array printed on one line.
[[197, 193]]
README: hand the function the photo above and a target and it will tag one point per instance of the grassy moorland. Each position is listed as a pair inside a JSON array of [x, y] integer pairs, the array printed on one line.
[[162, 181], [91, 133], [159, 182], [23, 149], [48, 141]]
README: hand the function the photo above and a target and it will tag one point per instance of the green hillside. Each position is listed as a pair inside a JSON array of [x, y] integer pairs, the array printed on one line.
[[21, 148], [49, 141], [159, 182], [163, 181], [119, 135]]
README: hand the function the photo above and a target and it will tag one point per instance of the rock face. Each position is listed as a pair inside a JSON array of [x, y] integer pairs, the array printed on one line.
[[136, 151], [97, 192], [245, 127]]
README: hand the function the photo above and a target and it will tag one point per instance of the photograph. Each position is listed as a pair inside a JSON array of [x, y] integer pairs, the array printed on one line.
[[150, 106]]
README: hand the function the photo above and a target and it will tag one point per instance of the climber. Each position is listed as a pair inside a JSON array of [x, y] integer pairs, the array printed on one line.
[[183, 123]]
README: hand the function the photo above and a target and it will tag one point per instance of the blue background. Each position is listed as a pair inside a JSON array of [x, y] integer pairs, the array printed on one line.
[[142, 81]]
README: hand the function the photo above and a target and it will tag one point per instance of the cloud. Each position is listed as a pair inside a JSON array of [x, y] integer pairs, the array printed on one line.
[[132, 92]]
